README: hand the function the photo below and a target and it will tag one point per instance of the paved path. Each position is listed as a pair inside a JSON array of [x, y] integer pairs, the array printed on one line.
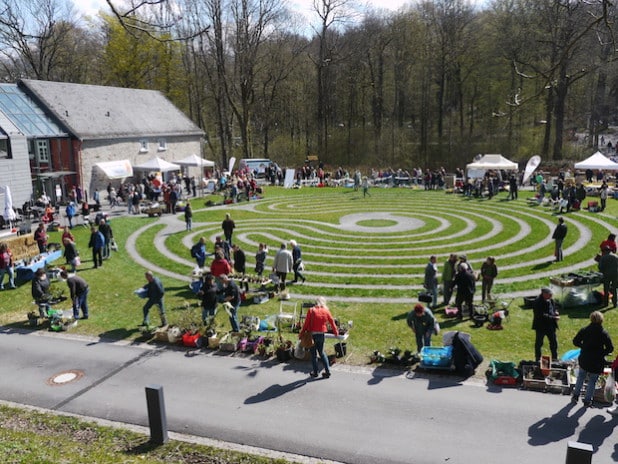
[[360, 415]]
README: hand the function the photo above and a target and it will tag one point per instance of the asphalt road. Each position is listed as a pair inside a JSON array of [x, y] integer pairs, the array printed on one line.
[[359, 415]]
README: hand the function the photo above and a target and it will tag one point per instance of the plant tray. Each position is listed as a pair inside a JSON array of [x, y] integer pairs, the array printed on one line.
[[228, 343], [556, 382]]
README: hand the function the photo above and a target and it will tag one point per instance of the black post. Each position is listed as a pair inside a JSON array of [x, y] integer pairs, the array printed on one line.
[[579, 453], [156, 414]]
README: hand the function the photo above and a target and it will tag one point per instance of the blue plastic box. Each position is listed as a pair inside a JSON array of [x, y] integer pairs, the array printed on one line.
[[436, 356]]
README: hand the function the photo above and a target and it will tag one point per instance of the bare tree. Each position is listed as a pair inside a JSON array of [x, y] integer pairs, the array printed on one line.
[[37, 37]]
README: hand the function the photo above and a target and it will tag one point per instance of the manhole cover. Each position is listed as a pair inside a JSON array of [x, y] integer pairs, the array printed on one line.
[[62, 378]]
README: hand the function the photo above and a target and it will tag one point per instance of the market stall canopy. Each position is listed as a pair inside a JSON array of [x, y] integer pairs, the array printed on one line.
[[195, 160], [597, 161], [489, 162], [119, 169], [493, 162], [157, 164]]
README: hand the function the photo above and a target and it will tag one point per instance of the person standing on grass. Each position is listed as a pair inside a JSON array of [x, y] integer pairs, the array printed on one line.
[[608, 266], [559, 234], [317, 321], [240, 260], [188, 217], [448, 275], [283, 264], [97, 242], [40, 237], [154, 293], [297, 258], [545, 323], [228, 227], [108, 235], [489, 271], [466, 286], [6, 266], [231, 295], [430, 281], [78, 289], [365, 186], [422, 321], [260, 259], [595, 344], [198, 251]]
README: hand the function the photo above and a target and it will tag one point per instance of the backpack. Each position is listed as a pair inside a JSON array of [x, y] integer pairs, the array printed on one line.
[[194, 250]]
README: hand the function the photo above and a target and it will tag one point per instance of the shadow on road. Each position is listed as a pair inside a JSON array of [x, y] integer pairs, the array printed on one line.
[[274, 391], [556, 427], [597, 430]]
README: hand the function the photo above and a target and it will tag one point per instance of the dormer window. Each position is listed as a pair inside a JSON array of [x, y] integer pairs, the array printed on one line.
[[162, 145], [143, 146]]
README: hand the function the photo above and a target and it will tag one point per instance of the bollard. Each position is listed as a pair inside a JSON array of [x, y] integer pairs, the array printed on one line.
[[579, 453], [156, 414]]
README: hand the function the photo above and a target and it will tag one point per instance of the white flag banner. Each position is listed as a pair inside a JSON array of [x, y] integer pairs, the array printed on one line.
[[533, 163], [231, 165]]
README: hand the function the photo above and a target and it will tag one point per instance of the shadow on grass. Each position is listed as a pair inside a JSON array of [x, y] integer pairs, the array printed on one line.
[[400, 317], [142, 448], [542, 266]]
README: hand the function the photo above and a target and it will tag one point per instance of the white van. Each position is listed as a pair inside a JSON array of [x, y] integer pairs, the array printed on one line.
[[256, 165]]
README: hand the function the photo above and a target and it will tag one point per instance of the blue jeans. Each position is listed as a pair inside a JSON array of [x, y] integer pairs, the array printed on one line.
[[81, 301], [9, 270], [592, 380], [234, 318], [423, 339], [318, 349], [189, 222], [146, 310]]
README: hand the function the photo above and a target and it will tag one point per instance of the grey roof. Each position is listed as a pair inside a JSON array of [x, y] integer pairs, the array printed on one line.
[[27, 117], [99, 112]]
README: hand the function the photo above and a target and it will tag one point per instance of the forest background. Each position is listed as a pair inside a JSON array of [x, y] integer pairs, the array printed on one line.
[[432, 84]]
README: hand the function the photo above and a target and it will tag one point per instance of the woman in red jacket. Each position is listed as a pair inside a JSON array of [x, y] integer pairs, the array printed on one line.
[[316, 323], [220, 265]]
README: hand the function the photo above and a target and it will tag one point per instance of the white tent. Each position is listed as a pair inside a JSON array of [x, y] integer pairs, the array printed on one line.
[[597, 161], [489, 162], [118, 169], [157, 164], [9, 213], [195, 160]]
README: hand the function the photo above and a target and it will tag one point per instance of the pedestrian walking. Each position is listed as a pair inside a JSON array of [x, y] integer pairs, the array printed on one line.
[[228, 227], [316, 322], [188, 217], [154, 292]]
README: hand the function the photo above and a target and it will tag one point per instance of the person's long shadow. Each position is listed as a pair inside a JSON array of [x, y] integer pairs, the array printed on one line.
[[556, 427], [275, 391], [597, 430]]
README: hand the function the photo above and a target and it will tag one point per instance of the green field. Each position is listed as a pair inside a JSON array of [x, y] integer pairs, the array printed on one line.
[[365, 255]]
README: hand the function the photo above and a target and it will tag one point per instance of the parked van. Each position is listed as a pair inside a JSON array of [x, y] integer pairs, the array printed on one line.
[[256, 165]]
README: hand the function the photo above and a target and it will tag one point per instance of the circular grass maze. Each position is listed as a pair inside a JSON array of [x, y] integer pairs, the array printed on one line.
[[375, 249]]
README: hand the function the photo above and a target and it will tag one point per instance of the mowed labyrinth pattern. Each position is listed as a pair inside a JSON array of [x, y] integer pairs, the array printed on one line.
[[375, 249]]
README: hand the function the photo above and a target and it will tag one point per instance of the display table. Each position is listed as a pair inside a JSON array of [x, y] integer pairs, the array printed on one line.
[[575, 289], [25, 272]]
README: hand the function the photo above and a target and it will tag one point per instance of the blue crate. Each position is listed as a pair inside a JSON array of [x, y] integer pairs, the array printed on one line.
[[436, 356]]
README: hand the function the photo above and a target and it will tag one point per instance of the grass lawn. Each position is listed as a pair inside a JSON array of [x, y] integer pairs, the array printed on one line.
[[355, 255]]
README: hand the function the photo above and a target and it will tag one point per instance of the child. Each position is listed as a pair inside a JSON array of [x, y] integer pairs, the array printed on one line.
[[495, 320], [260, 259]]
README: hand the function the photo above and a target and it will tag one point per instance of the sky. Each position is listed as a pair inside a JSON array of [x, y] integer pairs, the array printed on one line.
[[92, 7]]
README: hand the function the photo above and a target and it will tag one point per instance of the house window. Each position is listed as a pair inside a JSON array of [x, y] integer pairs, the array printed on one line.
[[162, 145], [42, 151], [143, 146], [5, 148]]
